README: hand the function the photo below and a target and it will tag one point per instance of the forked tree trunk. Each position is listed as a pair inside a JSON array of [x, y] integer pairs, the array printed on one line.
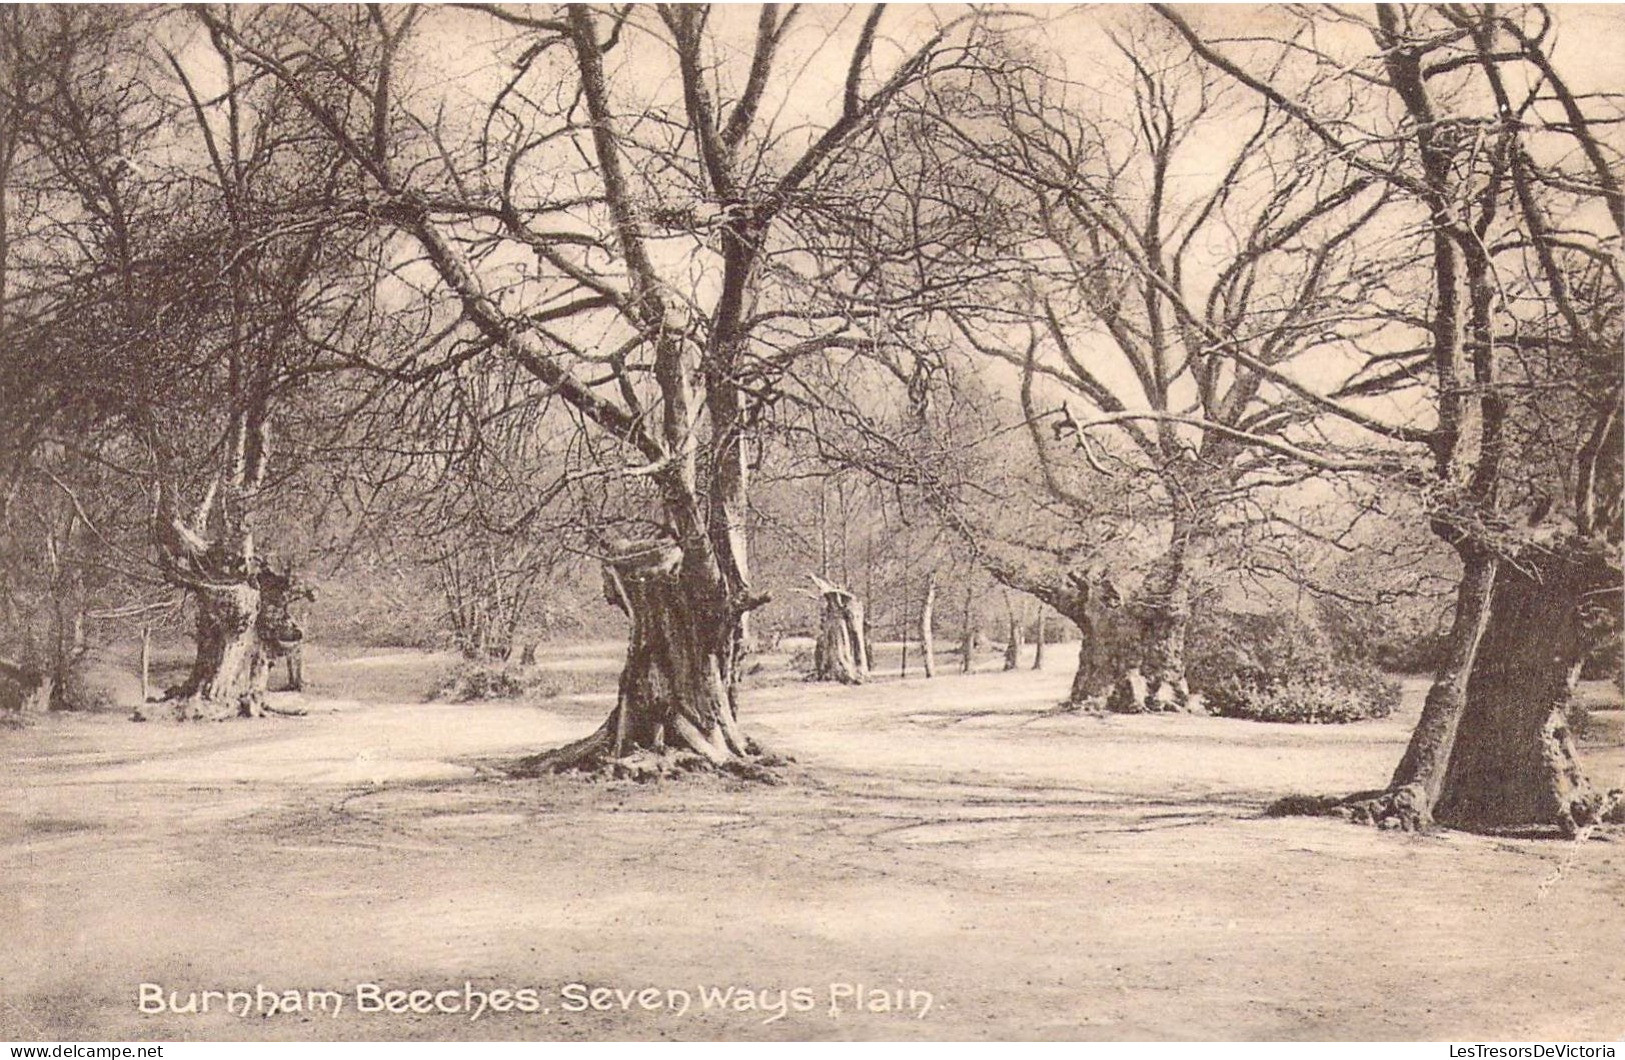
[[840, 653], [677, 689]]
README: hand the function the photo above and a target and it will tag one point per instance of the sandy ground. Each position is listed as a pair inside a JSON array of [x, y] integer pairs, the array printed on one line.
[[1038, 876]]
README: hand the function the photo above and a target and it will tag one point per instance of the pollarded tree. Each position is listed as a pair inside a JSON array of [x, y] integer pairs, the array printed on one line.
[[1510, 180], [620, 235], [275, 280]]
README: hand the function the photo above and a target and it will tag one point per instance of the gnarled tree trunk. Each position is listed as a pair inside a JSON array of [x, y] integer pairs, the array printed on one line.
[[1091, 602], [840, 653], [1093, 677], [1514, 764], [678, 688], [241, 629], [1492, 750], [1163, 611], [229, 675]]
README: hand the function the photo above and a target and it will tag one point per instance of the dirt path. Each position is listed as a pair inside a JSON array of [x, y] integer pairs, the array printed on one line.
[[1038, 876]]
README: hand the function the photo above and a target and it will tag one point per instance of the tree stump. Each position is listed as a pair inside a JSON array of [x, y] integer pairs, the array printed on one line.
[[840, 653]]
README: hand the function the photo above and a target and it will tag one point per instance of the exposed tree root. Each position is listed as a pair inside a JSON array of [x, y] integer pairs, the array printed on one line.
[[1405, 809], [594, 758], [181, 707]]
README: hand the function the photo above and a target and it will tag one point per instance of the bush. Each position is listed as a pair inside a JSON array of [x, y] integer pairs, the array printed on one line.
[[1284, 669], [477, 682]]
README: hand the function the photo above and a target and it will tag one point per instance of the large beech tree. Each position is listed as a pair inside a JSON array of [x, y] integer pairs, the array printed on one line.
[[1509, 176], [1167, 213], [629, 238]]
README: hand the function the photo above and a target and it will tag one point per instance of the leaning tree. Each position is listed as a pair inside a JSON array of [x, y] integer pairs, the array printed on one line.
[[631, 240], [1508, 175]]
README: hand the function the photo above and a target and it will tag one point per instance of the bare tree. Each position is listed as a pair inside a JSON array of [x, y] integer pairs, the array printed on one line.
[[608, 312], [1464, 114], [1142, 258]]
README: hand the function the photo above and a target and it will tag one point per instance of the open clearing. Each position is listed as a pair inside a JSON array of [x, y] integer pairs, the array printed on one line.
[[1040, 875]]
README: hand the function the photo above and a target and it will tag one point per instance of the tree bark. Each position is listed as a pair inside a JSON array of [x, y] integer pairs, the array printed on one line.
[[1091, 602], [1420, 775], [1093, 677], [1514, 764], [840, 654], [1013, 646], [1163, 610], [242, 629], [677, 704], [230, 671], [967, 634], [1492, 750]]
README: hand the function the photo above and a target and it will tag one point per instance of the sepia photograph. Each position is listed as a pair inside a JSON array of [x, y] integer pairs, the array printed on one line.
[[812, 522]]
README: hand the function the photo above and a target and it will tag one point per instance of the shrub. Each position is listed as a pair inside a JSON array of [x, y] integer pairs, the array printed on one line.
[[1282, 668], [476, 682]]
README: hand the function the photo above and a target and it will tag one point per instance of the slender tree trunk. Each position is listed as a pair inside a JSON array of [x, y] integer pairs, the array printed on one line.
[[928, 634], [967, 634], [860, 635], [1012, 647], [146, 663], [903, 630], [1038, 650]]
